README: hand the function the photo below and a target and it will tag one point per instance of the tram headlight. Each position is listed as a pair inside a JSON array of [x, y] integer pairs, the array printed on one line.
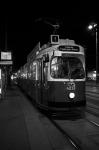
[[71, 95]]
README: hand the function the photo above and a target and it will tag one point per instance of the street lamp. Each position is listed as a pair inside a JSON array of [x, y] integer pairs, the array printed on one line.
[[91, 27]]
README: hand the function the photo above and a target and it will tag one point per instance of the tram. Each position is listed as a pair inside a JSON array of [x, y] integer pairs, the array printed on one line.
[[54, 75]]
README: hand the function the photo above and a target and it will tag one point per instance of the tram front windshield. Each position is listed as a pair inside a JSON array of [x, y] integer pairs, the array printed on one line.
[[67, 67]]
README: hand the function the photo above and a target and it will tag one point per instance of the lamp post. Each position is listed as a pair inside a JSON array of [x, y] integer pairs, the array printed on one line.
[[91, 27]]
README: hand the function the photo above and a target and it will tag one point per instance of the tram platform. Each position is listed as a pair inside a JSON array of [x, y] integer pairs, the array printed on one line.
[[20, 127]]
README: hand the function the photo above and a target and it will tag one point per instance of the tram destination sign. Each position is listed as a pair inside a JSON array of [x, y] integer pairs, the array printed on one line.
[[69, 48]]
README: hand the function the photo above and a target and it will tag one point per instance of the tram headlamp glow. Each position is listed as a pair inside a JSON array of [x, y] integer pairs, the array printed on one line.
[[71, 95]]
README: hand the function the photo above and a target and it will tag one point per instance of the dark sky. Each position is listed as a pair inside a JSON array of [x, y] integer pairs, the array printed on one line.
[[25, 26]]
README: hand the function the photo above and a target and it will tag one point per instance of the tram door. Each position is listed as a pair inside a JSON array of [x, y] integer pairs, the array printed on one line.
[[39, 82], [44, 89]]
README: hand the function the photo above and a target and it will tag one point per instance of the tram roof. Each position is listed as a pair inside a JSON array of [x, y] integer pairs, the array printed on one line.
[[46, 47]]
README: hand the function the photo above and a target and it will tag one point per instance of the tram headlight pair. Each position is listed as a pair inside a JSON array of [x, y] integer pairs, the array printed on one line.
[[71, 95]]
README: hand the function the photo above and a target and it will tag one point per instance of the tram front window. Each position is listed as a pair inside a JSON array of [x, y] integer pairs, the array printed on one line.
[[76, 68], [59, 68], [67, 67]]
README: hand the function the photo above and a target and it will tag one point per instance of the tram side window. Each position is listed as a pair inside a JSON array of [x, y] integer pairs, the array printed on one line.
[[39, 71], [25, 73], [29, 72], [34, 71]]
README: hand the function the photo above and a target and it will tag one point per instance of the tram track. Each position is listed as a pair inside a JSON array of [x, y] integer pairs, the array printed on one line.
[[66, 135], [74, 143], [69, 131], [92, 94], [92, 104], [65, 126], [73, 138], [92, 85], [93, 113], [93, 122], [71, 134]]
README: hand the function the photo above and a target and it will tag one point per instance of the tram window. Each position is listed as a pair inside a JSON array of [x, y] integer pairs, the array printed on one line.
[[29, 72], [45, 71], [46, 58], [67, 67], [39, 71], [59, 67], [77, 70], [32, 71]]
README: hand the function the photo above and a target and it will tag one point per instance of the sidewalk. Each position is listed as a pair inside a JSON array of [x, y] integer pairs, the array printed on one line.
[[13, 134], [20, 128]]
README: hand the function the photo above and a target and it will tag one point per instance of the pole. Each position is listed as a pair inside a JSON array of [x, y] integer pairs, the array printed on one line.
[[5, 40], [96, 53]]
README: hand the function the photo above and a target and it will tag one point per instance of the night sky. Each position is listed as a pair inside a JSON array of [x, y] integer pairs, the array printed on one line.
[[25, 25]]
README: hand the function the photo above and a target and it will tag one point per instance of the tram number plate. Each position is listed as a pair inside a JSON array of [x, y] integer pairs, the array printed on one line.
[[71, 86]]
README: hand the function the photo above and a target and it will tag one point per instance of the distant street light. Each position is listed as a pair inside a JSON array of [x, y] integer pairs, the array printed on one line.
[[91, 27]]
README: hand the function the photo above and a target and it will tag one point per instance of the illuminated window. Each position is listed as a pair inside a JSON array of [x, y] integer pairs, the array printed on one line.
[[67, 67]]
